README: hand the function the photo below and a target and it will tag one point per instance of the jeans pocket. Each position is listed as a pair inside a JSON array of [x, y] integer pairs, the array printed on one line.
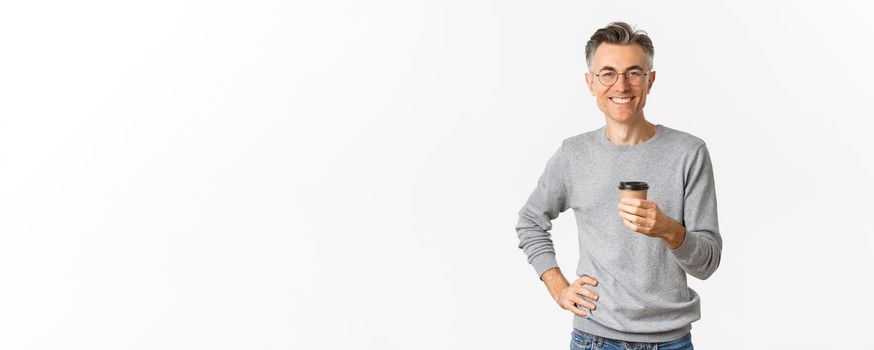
[[580, 341]]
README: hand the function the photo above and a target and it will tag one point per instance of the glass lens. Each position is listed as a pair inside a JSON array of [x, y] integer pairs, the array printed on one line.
[[607, 77], [634, 76]]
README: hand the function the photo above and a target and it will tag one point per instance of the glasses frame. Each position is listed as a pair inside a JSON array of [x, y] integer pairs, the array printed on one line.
[[624, 75]]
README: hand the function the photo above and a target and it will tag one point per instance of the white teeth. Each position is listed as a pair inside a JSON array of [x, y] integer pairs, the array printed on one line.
[[620, 100]]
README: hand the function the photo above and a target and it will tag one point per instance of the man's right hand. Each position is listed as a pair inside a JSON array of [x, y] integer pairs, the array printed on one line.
[[571, 297]]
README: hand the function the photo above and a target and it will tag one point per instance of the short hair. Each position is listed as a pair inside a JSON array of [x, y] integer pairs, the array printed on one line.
[[619, 33]]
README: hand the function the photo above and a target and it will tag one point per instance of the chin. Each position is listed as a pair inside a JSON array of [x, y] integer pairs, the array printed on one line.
[[621, 118]]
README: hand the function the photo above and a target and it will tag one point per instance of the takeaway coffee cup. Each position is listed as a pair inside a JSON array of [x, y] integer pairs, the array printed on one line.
[[633, 189]]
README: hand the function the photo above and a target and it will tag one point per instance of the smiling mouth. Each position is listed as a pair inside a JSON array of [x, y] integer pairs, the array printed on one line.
[[621, 100]]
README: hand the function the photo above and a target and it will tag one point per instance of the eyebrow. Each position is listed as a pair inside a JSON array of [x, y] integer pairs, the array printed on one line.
[[627, 69]]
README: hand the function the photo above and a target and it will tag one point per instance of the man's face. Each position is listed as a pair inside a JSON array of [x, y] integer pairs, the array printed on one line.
[[622, 101]]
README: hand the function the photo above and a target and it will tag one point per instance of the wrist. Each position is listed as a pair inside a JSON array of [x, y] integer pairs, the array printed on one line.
[[555, 282], [675, 237]]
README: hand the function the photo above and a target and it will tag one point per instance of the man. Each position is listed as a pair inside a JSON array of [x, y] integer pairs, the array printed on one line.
[[634, 254]]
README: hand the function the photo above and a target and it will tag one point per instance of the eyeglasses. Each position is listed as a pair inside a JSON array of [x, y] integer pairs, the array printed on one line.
[[610, 77]]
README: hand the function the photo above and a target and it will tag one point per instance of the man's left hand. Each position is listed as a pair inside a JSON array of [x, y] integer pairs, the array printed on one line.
[[644, 216]]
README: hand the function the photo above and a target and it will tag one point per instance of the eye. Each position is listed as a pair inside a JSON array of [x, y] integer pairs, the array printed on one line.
[[608, 74], [635, 74]]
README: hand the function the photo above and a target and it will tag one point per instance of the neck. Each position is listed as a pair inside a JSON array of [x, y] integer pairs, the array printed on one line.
[[632, 133]]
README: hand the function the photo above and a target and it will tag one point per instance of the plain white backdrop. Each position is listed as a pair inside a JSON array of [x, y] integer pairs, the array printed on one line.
[[347, 174]]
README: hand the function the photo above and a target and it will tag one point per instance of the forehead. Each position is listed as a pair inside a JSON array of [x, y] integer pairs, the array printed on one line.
[[618, 56]]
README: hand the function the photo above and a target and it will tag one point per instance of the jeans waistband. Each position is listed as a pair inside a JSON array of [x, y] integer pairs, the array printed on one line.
[[599, 340]]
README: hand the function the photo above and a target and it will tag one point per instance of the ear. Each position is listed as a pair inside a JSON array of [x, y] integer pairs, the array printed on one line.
[[652, 76], [589, 82]]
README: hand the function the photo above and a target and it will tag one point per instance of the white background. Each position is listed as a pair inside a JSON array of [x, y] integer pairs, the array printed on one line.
[[347, 174]]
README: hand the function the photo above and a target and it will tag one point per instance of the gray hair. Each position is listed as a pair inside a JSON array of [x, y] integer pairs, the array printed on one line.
[[619, 33]]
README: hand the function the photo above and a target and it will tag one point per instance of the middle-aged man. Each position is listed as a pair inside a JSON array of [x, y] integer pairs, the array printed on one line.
[[634, 254]]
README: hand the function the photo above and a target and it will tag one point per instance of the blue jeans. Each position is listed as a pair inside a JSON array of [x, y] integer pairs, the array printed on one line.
[[584, 341]]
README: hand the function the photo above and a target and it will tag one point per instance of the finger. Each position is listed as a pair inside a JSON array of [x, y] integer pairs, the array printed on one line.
[[576, 310], [586, 293], [586, 279], [639, 220], [642, 228], [630, 209], [647, 204], [579, 302], [631, 217], [630, 225], [639, 211]]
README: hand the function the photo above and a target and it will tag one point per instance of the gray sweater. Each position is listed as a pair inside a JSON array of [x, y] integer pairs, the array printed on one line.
[[643, 295]]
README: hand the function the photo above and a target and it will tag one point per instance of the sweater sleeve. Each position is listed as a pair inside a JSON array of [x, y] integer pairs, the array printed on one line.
[[700, 252], [535, 218]]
